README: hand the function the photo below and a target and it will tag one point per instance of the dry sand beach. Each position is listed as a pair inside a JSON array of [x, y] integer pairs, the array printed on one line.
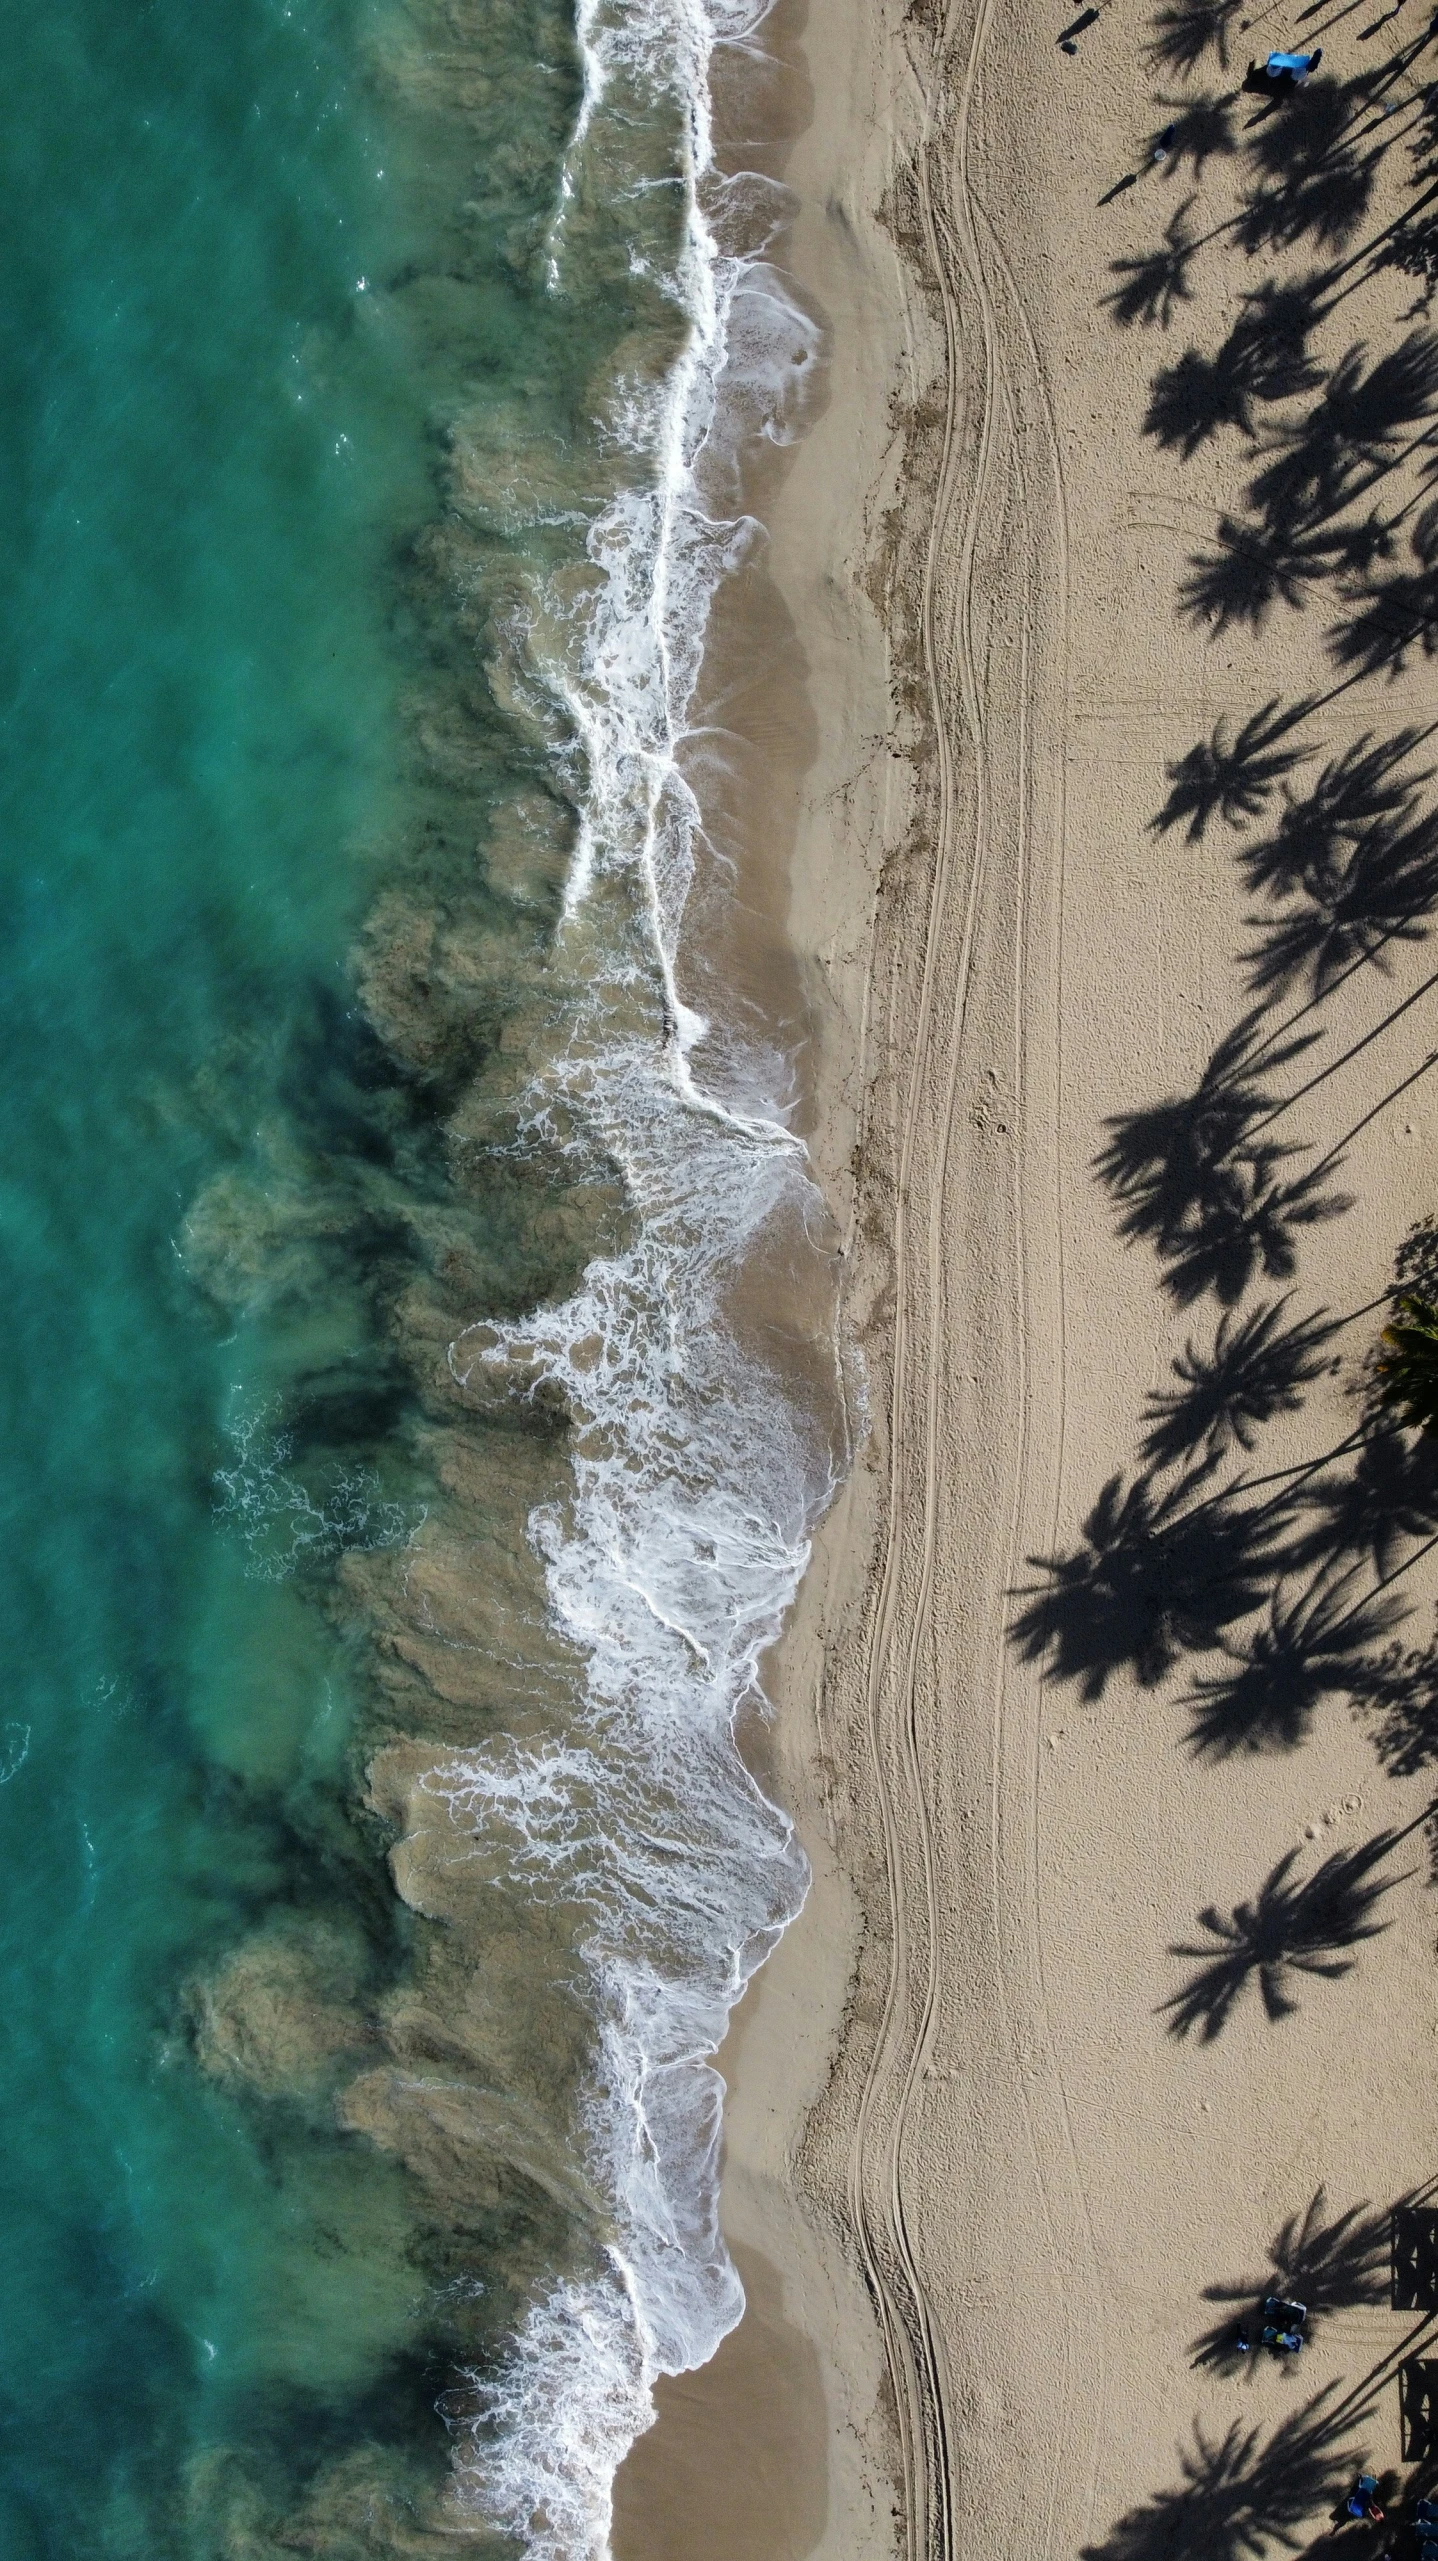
[[1115, 1999]]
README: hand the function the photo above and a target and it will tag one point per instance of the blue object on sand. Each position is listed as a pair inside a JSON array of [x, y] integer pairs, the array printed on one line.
[[1298, 64]]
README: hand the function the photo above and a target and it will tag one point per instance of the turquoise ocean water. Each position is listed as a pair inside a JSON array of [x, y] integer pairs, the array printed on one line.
[[391, 1525]]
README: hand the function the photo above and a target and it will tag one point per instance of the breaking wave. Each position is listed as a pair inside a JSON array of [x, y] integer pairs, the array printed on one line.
[[698, 1466]]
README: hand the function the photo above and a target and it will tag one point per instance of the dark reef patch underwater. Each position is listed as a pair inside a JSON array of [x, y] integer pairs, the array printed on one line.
[[397, 1500]]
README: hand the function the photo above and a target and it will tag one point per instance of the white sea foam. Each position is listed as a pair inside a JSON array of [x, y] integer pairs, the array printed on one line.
[[282, 1524], [697, 1473]]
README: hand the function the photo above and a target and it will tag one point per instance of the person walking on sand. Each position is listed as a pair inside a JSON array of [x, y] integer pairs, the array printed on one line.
[[1293, 67]]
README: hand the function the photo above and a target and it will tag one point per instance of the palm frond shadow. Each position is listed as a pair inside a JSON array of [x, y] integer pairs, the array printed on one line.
[[1291, 1927], [1250, 1224], [1399, 1702], [1155, 1575], [1198, 129], [1192, 1177], [1263, 359], [1311, 182], [1160, 1160], [1256, 1370], [1396, 615], [1378, 892], [1256, 565], [1363, 416], [1151, 287], [1361, 792], [1186, 30], [1370, 1510], [1232, 778], [1314, 1647], [1241, 2493], [1331, 2264]]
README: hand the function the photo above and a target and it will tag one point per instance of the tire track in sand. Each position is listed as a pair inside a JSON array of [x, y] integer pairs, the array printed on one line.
[[979, 401], [1085, 2342]]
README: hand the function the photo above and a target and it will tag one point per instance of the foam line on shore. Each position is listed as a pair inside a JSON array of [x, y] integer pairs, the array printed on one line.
[[698, 1470]]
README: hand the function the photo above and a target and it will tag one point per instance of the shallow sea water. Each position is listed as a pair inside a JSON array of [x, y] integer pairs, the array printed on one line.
[[393, 1520]]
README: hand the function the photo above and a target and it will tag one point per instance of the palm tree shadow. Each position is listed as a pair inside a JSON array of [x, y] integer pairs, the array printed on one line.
[[1290, 1928], [1337, 2265], [1150, 288], [1256, 1370], [1154, 1575], [1351, 861], [1241, 2493], [1193, 1177], [1159, 1161], [1400, 1697], [1200, 129], [1396, 614], [1231, 778], [1257, 564], [1311, 182], [1381, 895], [1309, 1649], [1263, 359], [1358, 424], [1299, 533], [1370, 1510], [1186, 30]]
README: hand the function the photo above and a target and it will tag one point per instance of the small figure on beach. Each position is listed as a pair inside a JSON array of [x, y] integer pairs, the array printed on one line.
[[1279, 2328], [1164, 144], [1290, 70], [1362, 2499]]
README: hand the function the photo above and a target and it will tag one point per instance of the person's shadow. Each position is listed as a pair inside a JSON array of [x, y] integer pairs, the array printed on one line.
[[1256, 84]]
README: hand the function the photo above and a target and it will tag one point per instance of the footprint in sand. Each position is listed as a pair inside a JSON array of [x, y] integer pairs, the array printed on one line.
[[1329, 1821]]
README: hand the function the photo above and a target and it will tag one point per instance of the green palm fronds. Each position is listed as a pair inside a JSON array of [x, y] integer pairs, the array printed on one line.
[[1407, 1363]]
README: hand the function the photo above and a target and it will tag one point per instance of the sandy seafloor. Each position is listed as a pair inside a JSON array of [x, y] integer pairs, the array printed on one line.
[[988, 2203]]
